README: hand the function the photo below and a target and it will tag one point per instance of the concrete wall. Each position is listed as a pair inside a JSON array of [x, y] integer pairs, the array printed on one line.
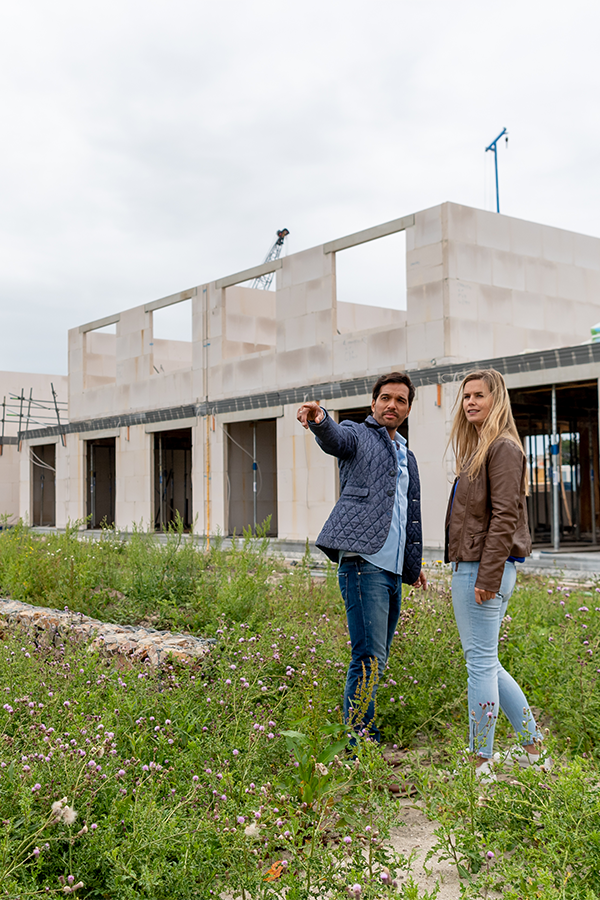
[[483, 285], [478, 285]]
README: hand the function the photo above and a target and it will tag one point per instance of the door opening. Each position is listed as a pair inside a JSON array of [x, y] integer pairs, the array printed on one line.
[[43, 484], [101, 483], [173, 478], [252, 475], [576, 468]]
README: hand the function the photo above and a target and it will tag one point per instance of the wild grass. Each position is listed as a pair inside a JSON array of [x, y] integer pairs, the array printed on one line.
[[230, 776]]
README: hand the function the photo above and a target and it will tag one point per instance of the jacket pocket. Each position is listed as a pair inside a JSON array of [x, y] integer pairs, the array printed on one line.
[[352, 490], [477, 540]]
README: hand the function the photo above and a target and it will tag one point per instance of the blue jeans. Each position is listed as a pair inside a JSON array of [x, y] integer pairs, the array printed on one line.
[[372, 598], [490, 686]]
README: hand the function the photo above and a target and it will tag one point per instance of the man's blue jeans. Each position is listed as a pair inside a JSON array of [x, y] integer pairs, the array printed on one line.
[[372, 597], [490, 686]]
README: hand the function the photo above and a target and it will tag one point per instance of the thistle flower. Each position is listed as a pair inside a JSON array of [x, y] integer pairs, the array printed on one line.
[[68, 815]]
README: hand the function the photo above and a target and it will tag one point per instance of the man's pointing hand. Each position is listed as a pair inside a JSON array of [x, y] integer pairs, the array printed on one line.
[[310, 412]]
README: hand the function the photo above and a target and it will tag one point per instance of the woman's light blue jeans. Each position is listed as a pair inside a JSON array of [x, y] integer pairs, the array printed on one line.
[[490, 686]]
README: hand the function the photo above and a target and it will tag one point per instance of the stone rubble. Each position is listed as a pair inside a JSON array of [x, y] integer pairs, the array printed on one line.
[[133, 641]]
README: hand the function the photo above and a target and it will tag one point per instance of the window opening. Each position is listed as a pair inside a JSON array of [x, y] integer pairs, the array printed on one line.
[[371, 275]]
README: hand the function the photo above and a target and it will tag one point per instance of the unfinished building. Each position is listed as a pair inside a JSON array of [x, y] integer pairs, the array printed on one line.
[[205, 431]]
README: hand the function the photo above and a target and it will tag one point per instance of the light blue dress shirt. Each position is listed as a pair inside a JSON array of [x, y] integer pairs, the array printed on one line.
[[391, 555]]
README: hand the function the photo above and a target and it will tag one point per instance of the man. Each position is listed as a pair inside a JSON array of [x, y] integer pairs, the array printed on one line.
[[373, 532]]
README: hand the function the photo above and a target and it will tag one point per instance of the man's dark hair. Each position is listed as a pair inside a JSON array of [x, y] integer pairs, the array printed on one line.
[[394, 378]]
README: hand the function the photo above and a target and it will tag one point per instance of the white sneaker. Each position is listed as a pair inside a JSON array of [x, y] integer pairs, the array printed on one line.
[[519, 756], [484, 773]]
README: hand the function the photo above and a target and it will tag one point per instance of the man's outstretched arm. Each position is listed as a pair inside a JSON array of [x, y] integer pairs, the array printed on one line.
[[334, 439]]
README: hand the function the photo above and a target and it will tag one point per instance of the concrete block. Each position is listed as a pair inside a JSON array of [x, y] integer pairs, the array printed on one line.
[[463, 299], [543, 339], [250, 302], [527, 309], [424, 342], [570, 282], [285, 483], [508, 339], [306, 265], [424, 264], [508, 270], [350, 356], [466, 339], [557, 313], [586, 251], [558, 245], [291, 302], [534, 275], [525, 238], [293, 368], [469, 262], [592, 285], [495, 305], [354, 317], [133, 320], [461, 223], [320, 362], [493, 230], [425, 303], [320, 294], [386, 350], [549, 278], [302, 332], [249, 375], [428, 226]]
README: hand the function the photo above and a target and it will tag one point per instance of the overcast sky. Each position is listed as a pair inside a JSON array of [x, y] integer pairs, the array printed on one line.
[[151, 146]]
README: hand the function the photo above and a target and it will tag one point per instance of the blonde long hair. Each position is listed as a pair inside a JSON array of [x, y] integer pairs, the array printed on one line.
[[470, 448]]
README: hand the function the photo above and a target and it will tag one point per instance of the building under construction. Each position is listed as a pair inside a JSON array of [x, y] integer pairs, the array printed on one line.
[[205, 430]]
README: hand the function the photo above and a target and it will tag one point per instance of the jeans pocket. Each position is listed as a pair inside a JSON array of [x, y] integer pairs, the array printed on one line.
[[343, 583]]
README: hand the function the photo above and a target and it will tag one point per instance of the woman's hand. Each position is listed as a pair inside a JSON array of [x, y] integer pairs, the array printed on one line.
[[481, 596]]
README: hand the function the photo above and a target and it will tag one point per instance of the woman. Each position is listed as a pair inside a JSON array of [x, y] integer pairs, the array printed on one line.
[[486, 533]]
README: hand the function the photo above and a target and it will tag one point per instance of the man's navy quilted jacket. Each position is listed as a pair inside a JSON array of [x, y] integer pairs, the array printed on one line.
[[360, 520]]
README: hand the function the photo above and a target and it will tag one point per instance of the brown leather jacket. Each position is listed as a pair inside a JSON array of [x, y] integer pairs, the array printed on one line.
[[487, 517]]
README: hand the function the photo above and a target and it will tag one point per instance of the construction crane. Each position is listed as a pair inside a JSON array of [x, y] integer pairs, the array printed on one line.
[[263, 283]]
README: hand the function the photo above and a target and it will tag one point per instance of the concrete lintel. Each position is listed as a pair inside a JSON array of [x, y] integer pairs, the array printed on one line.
[[98, 435], [340, 404], [169, 301], [100, 323], [547, 377], [250, 415], [249, 274], [40, 442], [171, 425], [369, 234]]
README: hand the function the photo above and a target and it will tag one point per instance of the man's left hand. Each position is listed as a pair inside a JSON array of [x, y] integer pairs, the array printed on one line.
[[421, 580]]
